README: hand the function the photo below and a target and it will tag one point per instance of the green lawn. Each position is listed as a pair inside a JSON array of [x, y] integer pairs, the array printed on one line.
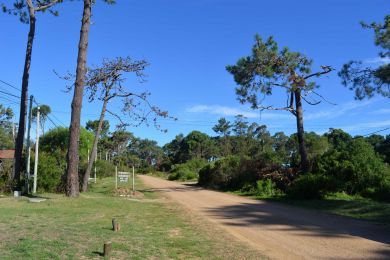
[[151, 228]]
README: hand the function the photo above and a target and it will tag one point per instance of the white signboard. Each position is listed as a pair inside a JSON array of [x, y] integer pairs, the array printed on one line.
[[123, 176]]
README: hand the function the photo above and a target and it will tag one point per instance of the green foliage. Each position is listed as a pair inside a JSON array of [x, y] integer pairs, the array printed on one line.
[[6, 140], [104, 169], [223, 127], [266, 188], [49, 173], [56, 143], [147, 151], [196, 145], [356, 165], [367, 81], [92, 126], [187, 171], [52, 157], [316, 145], [268, 67], [6, 168], [19, 8], [220, 174], [311, 186], [382, 192], [183, 174]]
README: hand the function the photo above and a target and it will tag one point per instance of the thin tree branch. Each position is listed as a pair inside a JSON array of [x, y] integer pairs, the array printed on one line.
[[323, 98], [326, 69], [309, 102], [42, 7]]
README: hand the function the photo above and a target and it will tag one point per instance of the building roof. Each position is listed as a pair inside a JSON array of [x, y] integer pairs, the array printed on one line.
[[7, 154]]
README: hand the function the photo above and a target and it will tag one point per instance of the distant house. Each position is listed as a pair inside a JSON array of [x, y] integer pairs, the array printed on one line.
[[6, 155]]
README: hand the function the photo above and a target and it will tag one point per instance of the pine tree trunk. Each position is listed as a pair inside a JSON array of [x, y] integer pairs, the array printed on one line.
[[24, 95], [300, 132], [72, 185], [94, 147]]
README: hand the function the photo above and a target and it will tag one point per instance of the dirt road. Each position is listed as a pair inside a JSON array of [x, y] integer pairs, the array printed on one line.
[[279, 231]]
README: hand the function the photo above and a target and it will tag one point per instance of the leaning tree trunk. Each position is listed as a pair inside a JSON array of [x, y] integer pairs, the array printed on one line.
[[94, 147], [72, 182], [305, 167], [23, 98]]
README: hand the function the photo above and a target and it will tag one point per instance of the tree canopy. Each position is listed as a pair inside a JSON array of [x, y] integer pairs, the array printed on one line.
[[366, 80]]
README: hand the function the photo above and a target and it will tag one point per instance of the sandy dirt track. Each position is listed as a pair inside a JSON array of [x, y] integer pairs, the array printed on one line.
[[280, 231]]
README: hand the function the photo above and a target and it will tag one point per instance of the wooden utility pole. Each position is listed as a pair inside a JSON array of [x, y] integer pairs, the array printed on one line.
[[36, 154], [133, 181], [116, 177], [28, 145]]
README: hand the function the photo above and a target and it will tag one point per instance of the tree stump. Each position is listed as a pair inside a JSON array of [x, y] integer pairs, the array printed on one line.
[[107, 249]]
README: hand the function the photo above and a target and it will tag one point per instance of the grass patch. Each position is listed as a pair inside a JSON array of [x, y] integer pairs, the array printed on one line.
[[151, 228]]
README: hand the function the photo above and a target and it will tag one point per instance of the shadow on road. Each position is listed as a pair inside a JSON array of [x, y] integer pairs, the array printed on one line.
[[283, 217]]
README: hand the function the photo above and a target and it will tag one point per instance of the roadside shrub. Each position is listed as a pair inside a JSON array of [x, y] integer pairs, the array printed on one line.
[[266, 188], [104, 169], [146, 169], [356, 165], [242, 173], [221, 174], [311, 186], [187, 171], [183, 174], [382, 192], [49, 173]]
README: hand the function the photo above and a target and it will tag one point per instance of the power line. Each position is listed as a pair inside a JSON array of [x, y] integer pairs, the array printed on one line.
[[9, 94], [384, 129], [48, 117], [8, 84], [58, 120], [10, 100]]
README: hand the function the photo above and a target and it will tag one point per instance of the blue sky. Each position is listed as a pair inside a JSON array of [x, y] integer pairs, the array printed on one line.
[[188, 44]]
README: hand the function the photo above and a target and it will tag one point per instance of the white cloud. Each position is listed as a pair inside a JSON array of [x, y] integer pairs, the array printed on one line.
[[378, 60], [231, 111]]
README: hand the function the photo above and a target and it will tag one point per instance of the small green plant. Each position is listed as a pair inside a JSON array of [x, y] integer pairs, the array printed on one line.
[[266, 188]]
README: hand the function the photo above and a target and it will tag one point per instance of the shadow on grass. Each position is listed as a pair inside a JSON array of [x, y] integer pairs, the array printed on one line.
[[98, 253], [31, 196]]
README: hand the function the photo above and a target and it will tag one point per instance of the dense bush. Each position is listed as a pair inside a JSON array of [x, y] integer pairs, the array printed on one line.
[[183, 174], [220, 174], [381, 193], [356, 165], [235, 173], [145, 169], [104, 169], [49, 173], [312, 186], [187, 171]]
